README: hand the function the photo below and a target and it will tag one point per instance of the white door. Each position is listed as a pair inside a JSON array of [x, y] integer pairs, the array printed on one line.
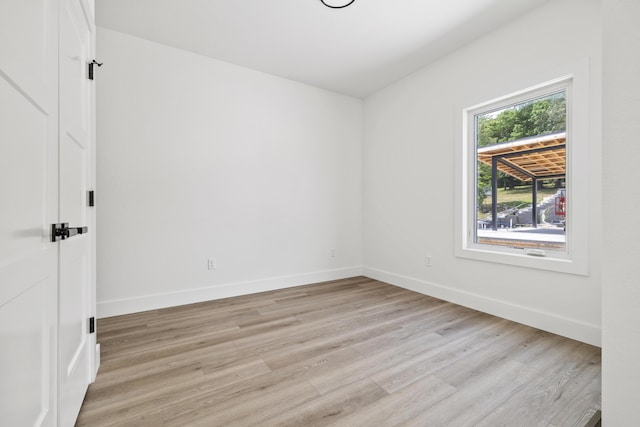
[[46, 139], [28, 207], [74, 343]]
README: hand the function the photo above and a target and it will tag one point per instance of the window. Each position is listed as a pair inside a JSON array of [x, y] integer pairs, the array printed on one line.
[[520, 171], [522, 178]]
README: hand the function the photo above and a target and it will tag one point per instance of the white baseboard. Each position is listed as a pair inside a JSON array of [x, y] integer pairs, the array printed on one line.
[[581, 331], [190, 296], [570, 328], [96, 363]]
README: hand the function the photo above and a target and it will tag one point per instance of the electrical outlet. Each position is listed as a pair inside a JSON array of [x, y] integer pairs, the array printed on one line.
[[427, 261], [211, 263]]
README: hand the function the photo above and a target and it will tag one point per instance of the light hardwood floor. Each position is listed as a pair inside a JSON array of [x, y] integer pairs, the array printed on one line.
[[353, 352]]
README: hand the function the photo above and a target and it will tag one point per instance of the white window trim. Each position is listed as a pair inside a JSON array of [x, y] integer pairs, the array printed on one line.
[[575, 259]]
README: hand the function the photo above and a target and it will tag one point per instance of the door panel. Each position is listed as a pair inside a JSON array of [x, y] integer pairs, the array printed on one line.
[[73, 323], [24, 142], [25, 33], [74, 372], [75, 45], [73, 181], [27, 325], [29, 194]]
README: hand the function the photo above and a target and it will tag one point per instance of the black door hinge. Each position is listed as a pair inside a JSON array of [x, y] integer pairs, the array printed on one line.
[[92, 325], [91, 199], [91, 64]]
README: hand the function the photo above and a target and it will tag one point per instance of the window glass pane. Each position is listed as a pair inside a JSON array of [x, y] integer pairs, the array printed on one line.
[[520, 191]]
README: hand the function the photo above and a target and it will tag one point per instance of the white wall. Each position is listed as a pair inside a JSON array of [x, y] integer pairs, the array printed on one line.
[[199, 158], [263, 174], [409, 135], [621, 268]]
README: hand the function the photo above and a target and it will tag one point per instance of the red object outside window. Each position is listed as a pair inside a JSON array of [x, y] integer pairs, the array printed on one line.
[[561, 206]]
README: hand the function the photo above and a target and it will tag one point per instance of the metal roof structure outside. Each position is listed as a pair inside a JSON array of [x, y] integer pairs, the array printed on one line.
[[527, 159], [541, 157]]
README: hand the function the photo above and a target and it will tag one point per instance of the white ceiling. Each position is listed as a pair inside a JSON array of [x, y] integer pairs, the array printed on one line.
[[356, 50]]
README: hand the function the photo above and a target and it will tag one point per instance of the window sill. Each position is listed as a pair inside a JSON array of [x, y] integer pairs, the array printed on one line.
[[520, 258]]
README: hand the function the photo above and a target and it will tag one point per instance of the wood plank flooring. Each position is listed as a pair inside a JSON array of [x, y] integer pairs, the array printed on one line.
[[353, 352]]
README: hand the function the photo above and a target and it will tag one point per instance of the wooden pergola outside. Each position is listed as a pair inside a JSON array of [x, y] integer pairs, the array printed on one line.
[[528, 159]]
